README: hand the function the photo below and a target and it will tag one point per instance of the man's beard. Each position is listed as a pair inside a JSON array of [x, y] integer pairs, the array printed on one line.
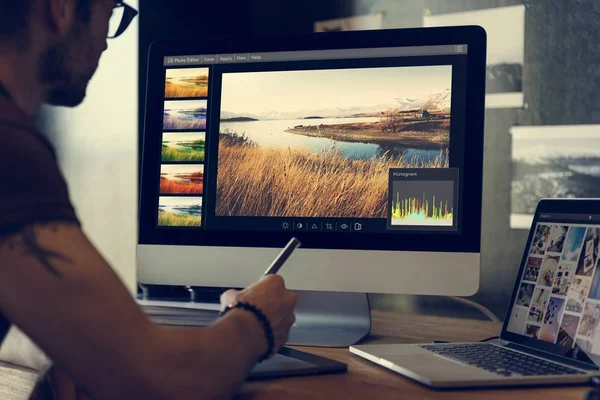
[[57, 69]]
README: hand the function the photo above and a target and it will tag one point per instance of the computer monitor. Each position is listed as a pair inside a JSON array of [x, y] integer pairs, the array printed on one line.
[[366, 146]]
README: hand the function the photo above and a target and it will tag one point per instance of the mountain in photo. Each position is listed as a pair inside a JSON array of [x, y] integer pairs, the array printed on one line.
[[200, 111], [435, 101], [404, 102], [312, 113], [438, 101]]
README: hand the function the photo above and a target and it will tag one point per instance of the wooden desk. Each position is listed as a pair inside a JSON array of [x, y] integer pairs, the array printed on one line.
[[366, 380]]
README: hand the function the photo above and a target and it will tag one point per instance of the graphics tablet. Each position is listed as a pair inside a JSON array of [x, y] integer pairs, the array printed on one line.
[[290, 362]]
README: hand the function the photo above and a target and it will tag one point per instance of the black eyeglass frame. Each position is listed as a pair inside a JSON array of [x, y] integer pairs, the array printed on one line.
[[129, 13]]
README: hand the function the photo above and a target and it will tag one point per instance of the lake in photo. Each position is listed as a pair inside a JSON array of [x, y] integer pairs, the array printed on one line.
[[273, 133]]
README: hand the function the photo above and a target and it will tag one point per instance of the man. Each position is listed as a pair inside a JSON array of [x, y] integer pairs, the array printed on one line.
[[53, 284]]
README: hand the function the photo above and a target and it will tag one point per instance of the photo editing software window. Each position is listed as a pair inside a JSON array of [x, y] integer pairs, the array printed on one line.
[[355, 140], [558, 298]]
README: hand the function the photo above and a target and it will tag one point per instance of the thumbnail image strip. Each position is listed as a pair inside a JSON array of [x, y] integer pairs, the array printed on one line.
[[181, 179], [186, 82], [320, 143], [180, 211], [183, 147], [184, 114]]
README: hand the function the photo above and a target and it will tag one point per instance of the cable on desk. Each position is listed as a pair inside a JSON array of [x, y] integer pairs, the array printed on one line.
[[593, 394], [477, 306], [490, 339]]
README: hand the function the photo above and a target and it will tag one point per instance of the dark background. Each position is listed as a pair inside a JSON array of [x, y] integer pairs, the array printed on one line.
[[561, 85], [442, 190]]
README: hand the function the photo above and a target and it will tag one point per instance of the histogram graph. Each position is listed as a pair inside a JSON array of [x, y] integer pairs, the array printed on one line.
[[414, 211], [423, 203]]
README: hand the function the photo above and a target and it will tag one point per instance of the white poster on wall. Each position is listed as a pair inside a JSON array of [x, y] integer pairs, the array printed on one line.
[[505, 28], [552, 162], [363, 22]]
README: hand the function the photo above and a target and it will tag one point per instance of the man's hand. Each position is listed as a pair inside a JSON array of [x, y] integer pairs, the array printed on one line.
[[59, 290], [270, 295]]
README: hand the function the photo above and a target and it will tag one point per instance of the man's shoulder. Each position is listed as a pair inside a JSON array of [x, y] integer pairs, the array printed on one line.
[[28, 165], [19, 135], [22, 143], [32, 185]]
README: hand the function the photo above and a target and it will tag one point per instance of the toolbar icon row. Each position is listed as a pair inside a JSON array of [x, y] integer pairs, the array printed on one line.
[[321, 226]]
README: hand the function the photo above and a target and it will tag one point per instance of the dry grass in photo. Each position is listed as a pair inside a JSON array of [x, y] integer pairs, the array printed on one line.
[[179, 122], [255, 181], [193, 186], [173, 219], [173, 90], [192, 152]]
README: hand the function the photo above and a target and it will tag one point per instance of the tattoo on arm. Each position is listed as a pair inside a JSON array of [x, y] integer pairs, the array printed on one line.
[[27, 242]]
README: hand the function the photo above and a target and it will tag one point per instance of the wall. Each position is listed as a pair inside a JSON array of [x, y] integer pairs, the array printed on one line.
[[561, 81], [97, 147], [289, 17]]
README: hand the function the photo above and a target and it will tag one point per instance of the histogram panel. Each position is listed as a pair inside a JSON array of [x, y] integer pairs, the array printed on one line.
[[422, 203]]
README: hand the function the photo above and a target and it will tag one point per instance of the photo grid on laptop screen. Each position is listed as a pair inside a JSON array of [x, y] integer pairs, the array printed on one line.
[[558, 299]]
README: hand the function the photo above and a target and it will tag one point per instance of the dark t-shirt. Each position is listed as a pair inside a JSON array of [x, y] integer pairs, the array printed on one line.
[[32, 188]]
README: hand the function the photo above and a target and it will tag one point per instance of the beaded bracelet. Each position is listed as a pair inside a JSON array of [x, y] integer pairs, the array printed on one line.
[[262, 318]]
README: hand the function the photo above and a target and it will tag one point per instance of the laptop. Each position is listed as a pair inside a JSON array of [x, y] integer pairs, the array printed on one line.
[[551, 333]]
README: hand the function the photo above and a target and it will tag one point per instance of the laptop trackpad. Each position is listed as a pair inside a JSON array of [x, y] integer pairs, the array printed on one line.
[[436, 368]]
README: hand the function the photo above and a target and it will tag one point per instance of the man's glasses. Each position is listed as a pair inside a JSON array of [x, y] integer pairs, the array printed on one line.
[[122, 16]]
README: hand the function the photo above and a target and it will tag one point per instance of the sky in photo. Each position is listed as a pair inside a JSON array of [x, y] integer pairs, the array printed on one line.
[[186, 72], [181, 169], [289, 91], [183, 137], [185, 104], [170, 201]]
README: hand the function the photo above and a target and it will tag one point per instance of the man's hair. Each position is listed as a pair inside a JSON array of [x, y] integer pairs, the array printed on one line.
[[14, 15]]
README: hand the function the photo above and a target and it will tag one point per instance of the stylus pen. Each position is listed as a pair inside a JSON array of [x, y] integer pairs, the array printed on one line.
[[283, 256]]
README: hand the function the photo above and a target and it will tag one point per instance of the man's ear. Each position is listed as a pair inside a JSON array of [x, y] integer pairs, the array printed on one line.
[[61, 15]]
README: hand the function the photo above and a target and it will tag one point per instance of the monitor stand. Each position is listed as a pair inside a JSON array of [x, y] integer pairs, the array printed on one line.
[[330, 319], [323, 319]]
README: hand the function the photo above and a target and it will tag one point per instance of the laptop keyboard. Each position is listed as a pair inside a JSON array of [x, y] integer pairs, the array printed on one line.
[[499, 360]]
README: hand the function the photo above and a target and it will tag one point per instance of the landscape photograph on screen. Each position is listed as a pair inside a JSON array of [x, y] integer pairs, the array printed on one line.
[[181, 179], [186, 82], [320, 143], [179, 211], [183, 147], [184, 114]]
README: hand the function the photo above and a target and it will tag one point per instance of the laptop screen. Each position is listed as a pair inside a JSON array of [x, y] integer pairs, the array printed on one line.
[[558, 294]]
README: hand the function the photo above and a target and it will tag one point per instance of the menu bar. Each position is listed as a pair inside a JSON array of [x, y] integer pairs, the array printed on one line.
[[278, 56], [592, 218]]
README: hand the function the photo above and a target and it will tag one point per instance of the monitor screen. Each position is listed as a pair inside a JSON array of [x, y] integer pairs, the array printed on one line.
[[312, 141], [558, 292], [366, 146], [361, 147]]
